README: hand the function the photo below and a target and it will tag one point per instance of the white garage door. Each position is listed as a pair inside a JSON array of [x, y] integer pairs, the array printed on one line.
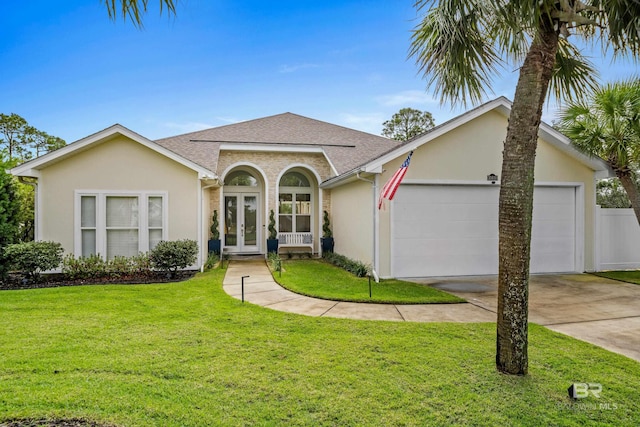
[[451, 230]]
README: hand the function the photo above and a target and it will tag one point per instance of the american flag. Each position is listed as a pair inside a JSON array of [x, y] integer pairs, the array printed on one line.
[[390, 188]]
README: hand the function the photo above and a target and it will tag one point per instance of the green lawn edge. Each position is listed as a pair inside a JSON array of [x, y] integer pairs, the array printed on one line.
[[319, 279], [627, 276]]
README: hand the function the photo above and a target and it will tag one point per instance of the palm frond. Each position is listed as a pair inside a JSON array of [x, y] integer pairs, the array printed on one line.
[[621, 18], [134, 9], [606, 123], [573, 74], [454, 51]]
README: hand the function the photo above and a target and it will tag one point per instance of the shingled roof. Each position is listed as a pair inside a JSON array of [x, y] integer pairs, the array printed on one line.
[[345, 148]]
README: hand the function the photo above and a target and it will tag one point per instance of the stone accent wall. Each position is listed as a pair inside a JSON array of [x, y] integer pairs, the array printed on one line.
[[273, 165]]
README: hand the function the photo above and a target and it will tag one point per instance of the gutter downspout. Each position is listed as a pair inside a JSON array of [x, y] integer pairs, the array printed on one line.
[[36, 196], [374, 187]]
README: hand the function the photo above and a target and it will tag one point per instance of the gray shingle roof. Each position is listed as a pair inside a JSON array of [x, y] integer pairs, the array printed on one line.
[[346, 148]]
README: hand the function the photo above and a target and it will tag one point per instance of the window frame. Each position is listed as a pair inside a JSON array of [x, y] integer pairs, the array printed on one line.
[[101, 220], [294, 191]]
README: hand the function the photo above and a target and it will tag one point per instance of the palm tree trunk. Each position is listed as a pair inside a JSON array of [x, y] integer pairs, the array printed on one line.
[[516, 203], [629, 184]]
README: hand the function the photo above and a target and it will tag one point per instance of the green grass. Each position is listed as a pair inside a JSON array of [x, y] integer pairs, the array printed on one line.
[[320, 279], [187, 354], [630, 276]]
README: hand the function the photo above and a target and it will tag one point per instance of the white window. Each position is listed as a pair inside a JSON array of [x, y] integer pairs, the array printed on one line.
[[113, 224], [294, 204]]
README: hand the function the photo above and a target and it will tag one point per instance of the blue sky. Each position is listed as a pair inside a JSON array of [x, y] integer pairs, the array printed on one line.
[[70, 71]]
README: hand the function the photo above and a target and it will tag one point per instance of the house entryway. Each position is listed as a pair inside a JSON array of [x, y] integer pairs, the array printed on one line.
[[243, 211], [241, 231]]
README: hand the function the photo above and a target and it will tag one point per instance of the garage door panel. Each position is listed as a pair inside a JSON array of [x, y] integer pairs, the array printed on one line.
[[448, 231], [554, 229], [440, 263], [442, 230], [446, 247]]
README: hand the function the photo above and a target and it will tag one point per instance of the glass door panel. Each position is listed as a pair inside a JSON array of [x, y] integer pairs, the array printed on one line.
[[231, 220], [241, 222], [250, 220]]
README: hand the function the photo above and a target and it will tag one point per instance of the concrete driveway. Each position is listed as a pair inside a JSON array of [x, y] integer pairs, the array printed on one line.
[[593, 309]]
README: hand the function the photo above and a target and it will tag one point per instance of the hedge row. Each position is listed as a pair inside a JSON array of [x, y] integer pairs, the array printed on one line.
[[32, 258], [357, 268]]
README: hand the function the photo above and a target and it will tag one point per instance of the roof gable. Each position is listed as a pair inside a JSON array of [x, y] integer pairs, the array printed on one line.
[[501, 105], [32, 167], [344, 148]]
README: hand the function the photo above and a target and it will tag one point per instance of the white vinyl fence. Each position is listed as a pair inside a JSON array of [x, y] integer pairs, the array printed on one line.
[[617, 239]]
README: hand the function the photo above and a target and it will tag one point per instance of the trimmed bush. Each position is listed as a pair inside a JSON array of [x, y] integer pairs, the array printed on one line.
[[354, 267], [91, 267], [169, 256], [95, 267], [32, 258], [141, 264]]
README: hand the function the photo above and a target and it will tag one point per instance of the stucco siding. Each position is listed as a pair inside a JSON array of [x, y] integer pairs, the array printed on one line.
[[118, 165], [352, 220], [470, 152]]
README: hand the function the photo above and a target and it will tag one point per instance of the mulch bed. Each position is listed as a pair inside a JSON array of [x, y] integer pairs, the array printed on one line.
[[72, 422], [15, 282]]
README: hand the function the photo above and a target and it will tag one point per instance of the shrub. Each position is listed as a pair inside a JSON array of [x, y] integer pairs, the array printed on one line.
[[95, 267], [141, 264], [275, 261], [356, 268], [326, 226], [212, 260], [32, 258], [273, 233], [119, 266], [215, 233], [91, 267], [169, 256]]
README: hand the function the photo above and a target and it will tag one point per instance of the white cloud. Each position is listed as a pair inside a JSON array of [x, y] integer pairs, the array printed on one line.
[[367, 122], [228, 120], [296, 67], [406, 98]]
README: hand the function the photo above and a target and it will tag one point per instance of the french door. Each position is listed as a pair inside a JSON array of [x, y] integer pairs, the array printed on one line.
[[241, 227]]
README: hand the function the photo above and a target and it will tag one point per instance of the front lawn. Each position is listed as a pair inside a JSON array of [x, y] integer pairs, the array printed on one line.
[[630, 276], [319, 279], [187, 354]]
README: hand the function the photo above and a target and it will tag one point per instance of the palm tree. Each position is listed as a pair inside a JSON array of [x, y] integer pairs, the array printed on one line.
[[460, 45], [607, 124]]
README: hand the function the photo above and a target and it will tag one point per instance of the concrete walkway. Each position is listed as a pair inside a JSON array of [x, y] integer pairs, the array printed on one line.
[[600, 311], [261, 289]]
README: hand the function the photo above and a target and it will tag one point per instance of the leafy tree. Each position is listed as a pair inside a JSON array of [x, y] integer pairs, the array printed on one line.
[[20, 139], [460, 46], [42, 142], [9, 216], [607, 124], [407, 123], [13, 133], [611, 194]]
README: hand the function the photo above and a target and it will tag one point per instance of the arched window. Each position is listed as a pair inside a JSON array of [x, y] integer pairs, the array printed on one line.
[[240, 178], [295, 203]]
